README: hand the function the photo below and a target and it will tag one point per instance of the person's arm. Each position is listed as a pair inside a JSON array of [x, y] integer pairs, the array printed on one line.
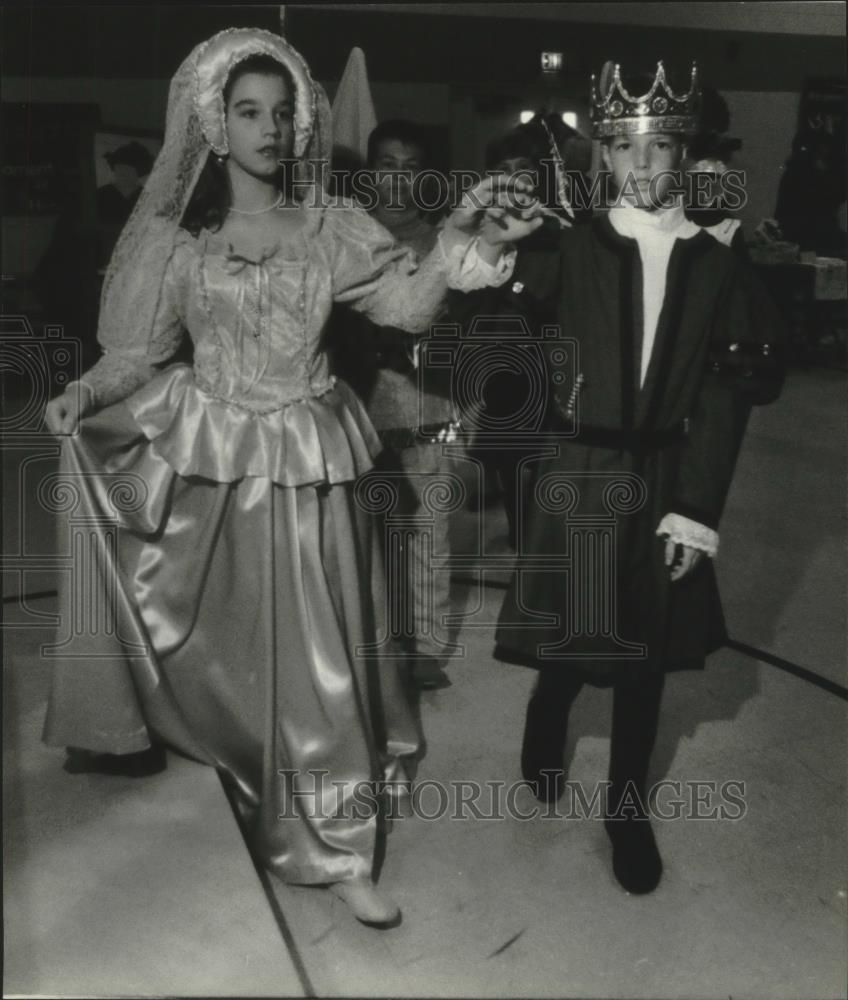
[[745, 328], [387, 283], [126, 366]]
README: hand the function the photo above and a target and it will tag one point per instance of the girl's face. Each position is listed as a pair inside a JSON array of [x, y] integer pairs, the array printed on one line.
[[644, 165], [259, 123]]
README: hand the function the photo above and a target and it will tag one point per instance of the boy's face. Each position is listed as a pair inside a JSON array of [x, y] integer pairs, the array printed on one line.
[[397, 164], [643, 165]]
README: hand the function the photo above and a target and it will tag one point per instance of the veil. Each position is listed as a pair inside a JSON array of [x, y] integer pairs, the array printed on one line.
[[132, 286]]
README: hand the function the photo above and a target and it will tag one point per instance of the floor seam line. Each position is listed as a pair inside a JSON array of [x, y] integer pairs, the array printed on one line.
[[273, 903]]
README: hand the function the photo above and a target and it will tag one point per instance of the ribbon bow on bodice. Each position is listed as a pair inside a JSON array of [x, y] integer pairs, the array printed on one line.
[[238, 260], [254, 303]]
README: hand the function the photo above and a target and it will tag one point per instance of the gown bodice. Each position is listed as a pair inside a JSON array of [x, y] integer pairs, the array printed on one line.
[[259, 399]]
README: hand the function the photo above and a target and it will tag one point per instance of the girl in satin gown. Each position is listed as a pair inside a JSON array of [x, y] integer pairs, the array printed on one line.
[[228, 604]]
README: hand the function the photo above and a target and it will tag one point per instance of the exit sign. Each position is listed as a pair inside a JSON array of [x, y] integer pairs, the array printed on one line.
[[551, 62]]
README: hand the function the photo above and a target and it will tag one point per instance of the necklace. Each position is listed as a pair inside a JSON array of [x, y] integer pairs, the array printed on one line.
[[260, 211]]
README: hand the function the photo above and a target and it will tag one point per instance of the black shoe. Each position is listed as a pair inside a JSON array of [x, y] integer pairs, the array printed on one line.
[[127, 765], [542, 750], [636, 859], [427, 674]]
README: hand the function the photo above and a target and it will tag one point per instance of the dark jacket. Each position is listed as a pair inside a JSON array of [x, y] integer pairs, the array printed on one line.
[[591, 585]]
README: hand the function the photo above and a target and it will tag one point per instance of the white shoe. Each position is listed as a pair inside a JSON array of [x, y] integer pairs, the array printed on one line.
[[368, 906]]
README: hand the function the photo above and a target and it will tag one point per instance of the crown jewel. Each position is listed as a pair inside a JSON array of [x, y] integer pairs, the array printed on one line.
[[659, 110]]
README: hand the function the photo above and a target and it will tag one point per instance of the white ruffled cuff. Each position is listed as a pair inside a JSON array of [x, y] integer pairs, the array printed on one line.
[[684, 531], [466, 271], [81, 383]]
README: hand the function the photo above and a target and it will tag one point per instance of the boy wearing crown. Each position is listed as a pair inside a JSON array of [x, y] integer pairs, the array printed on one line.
[[626, 509]]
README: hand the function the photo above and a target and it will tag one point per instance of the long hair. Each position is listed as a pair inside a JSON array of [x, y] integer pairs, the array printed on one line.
[[212, 198]]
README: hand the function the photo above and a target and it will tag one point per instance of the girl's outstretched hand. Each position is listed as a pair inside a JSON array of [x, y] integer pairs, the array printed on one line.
[[500, 209], [63, 413]]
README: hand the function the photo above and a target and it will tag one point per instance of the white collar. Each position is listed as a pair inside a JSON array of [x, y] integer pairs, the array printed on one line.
[[638, 223]]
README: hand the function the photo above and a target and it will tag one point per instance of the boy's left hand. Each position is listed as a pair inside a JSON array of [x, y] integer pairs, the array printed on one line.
[[681, 559]]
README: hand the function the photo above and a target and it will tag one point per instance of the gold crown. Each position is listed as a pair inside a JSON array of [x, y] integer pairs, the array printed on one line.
[[659, 110]]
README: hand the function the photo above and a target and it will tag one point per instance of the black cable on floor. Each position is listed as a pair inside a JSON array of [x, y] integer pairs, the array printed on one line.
[[790, 668], [265, 880]]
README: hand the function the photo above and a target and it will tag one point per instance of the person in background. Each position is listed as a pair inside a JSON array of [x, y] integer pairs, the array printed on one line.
[[413, 419], [130, 164], [811, 191], [511, 312]]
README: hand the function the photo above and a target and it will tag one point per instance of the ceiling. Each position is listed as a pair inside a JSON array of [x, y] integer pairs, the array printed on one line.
[[738, 46], [796, 17]]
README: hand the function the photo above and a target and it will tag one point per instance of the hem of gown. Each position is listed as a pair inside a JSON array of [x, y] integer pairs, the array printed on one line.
[[317, 877], [103, 743]]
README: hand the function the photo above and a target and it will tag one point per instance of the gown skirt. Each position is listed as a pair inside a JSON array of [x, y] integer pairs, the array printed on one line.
[[227, 620]]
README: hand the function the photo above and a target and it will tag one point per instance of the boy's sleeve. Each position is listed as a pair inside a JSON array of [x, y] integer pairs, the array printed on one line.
[[744, 368]]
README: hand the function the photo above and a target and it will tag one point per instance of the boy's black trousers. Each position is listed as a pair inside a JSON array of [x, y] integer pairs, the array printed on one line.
[[637, 695]]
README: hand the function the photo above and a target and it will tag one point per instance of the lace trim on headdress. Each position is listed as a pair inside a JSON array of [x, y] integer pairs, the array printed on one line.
[[132, 288], [216, 60]]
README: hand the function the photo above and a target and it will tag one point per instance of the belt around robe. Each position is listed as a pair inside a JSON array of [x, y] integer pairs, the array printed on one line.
[[398, 438], [636, 440]]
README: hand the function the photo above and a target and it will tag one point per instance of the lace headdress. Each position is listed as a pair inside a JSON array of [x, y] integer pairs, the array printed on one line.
[[195, 128]]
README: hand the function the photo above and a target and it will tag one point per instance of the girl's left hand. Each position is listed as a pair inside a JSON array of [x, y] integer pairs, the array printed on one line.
[[501, 209], [681, 559]]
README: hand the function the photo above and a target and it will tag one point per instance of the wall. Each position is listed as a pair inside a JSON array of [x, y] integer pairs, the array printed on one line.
[[137, 103], [141, 103], [766, 125]]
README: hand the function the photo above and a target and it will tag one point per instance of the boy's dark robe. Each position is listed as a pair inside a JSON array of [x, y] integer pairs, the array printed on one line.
[[640, 453]]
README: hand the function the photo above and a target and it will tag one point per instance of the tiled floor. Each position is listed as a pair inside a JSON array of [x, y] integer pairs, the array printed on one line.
[[135, 887], [121, 886]]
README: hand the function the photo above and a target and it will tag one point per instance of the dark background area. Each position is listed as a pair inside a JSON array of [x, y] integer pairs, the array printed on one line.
[[133, 41]]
